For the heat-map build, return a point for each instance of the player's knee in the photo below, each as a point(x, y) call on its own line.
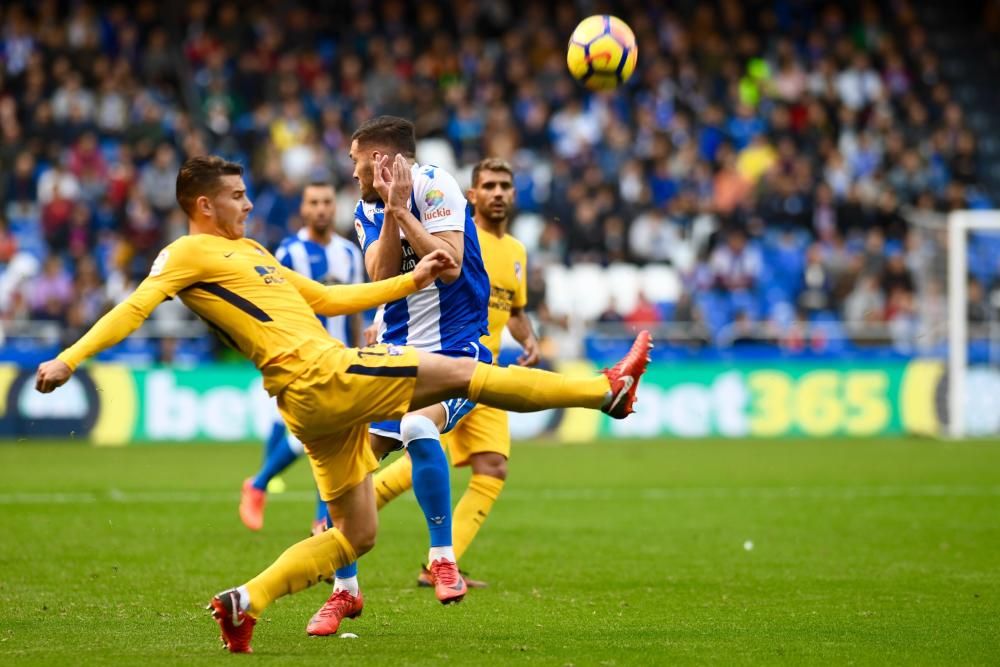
point(418, 427)
point(490, 464)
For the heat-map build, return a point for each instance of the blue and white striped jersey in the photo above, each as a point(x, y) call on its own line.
point(441, 316)
point(339, 263)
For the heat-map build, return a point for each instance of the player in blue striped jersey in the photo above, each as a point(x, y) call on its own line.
point(316, 252)
point(447, 317)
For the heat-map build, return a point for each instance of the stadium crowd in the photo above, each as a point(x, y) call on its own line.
point(766, 150)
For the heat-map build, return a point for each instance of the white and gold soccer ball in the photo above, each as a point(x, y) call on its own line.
point(602, 52)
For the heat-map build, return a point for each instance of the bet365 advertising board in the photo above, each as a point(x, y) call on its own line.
point(116, 405)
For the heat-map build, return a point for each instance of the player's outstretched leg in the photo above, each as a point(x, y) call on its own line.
point(282, 450)
point(527, 390)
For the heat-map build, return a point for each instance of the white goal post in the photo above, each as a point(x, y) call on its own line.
point(960, 223)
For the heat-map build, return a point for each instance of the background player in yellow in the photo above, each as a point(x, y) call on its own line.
point(482, 439)
point(328, 394)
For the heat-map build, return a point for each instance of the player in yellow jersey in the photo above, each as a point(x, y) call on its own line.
point(482, 440)
point(327, 393)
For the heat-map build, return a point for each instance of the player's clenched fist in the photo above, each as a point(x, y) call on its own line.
point(431, 266)
point(51, 375)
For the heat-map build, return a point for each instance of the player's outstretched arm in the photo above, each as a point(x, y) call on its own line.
point(336, 300)
point(111, 329)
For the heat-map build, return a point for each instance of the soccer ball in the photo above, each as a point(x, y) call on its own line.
point(602, 52)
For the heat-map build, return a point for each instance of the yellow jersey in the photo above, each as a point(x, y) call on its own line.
point(506, 263)
point(255, 305)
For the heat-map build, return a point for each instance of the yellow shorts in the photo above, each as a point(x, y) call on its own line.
point(330, 405)
point(485, 429)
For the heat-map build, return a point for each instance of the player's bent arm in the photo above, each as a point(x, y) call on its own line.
point(333, 300)
point(520, 327)
point(423, 242)
point(384, 256)
point(111, 329)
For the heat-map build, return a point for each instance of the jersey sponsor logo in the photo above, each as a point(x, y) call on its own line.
point(269, 274)
point(359, 228)
point(437, 213)
point(501, 299)
point(159, 263)
point(409, 259)
point(435, 209)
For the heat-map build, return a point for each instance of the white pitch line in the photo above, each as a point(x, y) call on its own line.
point(117, 496)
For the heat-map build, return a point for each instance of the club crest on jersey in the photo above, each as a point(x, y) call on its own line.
point(517, 270)
point(359, 228)
point(159, 263)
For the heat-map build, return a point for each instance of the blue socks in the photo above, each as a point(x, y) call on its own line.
point(431, 484)
point(279, 455)
point(432, 487)
point(322, 511)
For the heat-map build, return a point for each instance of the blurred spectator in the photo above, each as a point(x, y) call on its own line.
point(652, 237)
point(735, 265)
point(645, 313)
point(52, 291)
point(866, 302)
point(159, 179)
point(977, 310)
point(815, 295)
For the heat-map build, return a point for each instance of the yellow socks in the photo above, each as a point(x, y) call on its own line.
point(393, 480)
point(528, 389)
point(472, 510)
point(303, 564)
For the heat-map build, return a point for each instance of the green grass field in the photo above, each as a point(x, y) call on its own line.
point(867, 552)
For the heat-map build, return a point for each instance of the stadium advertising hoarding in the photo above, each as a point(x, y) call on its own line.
point(111, 404)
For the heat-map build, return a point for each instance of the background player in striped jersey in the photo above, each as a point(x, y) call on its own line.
point(316, 252)
point(448, 317)
point(482, 439)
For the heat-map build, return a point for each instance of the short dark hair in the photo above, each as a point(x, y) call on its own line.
point(491, 164)
point(319, 184)
point(200, 176)
point(389, 131)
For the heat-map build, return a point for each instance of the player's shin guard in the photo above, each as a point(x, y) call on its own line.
point(393, 480)
point(473, 508)
point(431, 482)
point(527, 389)
point(301, 565)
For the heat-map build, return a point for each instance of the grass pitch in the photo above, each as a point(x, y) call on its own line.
point(607, 554)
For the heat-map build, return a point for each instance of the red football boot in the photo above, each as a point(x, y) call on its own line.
point(624, 377)
point(341, 605)
point(236, 624)
point(426, 580)
point(449, 585)
point(252, 505)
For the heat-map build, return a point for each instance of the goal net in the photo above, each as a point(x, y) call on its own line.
point(972, 377)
